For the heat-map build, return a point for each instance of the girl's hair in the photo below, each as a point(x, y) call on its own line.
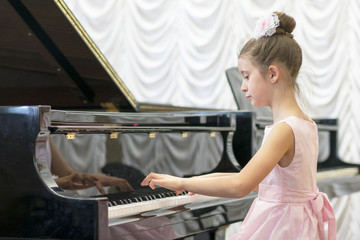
point(280, 48)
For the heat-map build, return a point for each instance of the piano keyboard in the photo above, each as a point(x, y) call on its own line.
point(145, 200)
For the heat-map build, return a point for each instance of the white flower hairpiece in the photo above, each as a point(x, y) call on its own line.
point(266, 26)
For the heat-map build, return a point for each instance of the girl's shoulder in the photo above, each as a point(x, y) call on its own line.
point(295, 119)
point(295, 122)
point(298, 120)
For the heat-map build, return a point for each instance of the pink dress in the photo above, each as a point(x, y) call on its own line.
point(289, 205)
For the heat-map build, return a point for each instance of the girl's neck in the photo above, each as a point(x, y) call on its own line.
point(285, 106)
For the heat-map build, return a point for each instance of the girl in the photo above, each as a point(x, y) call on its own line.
point(289, 205)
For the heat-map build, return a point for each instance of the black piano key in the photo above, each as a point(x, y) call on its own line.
point(139, 195)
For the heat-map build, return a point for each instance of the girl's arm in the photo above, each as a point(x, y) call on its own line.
point(234, 185)
point(210, 175)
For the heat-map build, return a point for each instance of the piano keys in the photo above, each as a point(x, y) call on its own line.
point(145, 200)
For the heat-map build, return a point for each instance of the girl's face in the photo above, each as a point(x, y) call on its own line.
point(255, 85)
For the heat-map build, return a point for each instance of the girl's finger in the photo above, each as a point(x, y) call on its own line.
point(152, 183)
point(145, 182)
point(100, 187)
point(148, 178)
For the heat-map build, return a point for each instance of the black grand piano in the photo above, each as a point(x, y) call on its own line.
point(33, 206)
point(55, 83)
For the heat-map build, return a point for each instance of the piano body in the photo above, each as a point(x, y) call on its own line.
point(33, 206)
point(47, 59)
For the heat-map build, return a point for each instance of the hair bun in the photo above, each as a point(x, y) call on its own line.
point(282, 31)
point(287, 23)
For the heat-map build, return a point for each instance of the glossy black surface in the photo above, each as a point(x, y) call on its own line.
point(44, 60)
point(28, 208)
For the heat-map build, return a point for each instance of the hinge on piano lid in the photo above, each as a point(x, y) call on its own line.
point(184, 134)
point(152, 134)
point(114, 135)
point(70, 135)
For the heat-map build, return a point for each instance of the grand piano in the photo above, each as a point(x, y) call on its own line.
point(33, 206)
point(55, 83)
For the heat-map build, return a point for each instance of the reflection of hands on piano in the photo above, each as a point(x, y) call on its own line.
point(163, 180)
point(76, 181)
point(105, 180)
point(70, 180)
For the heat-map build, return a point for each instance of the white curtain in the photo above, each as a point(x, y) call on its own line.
point(176, 52)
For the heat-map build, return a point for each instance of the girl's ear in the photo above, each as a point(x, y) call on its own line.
point(274, 73)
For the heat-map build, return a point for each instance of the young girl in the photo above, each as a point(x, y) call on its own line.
point(289, 205)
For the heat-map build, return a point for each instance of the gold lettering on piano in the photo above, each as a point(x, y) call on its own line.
point(184, 134)
point(212, 134)
point(152, 134)
point(70, 135)
point(114, 135)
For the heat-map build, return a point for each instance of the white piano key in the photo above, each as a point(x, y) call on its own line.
point(141, 207)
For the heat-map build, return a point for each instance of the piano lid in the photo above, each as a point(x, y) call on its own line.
point(47, 58)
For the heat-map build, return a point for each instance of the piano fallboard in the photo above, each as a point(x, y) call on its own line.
point(183, 220)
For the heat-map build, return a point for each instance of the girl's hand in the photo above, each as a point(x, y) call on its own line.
point(164, 180)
